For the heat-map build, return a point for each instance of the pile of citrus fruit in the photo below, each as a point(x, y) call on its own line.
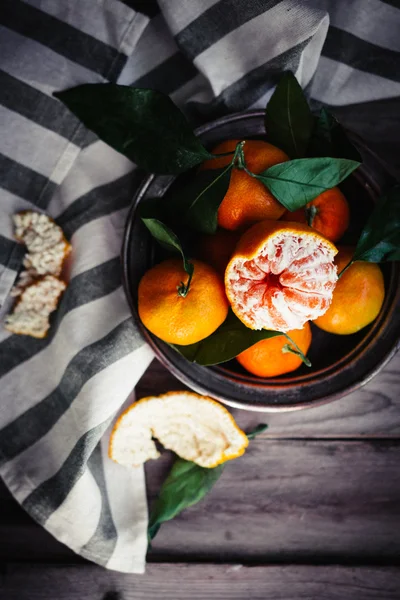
point(276, 270)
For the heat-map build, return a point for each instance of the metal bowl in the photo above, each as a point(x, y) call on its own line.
point(340, 363)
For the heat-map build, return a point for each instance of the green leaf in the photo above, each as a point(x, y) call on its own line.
point(260, 428)
point(169, 241)
point(330, 139)
point(229, 340)
point(395, 255)
point(198, 202)
point(288, 118)
point(297, 182)
point(186, 484)
point(143, 124)
point(380, 238)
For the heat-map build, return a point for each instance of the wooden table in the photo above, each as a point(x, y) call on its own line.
point(312, 510)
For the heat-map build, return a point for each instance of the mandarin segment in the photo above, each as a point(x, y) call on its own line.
point(280, 276)
point(330, 214)
point(358, 296)
point(267, 358)
point(176, 319)
point(247, 200)
point(195, 427)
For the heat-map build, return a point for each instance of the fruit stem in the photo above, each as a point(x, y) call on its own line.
point(183, 289)
point(250, 173)
point(311, 213)
point(224, 154)
point(296, 350)
point(345, 269)
point(239, 156)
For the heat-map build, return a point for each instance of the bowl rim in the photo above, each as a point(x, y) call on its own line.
point(273, 383)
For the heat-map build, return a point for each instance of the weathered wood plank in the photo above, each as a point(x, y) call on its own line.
point(372, 411)
point(195, 581)
point(293, 501)
point(284, 500)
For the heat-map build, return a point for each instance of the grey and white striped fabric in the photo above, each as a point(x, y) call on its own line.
point(59, 396)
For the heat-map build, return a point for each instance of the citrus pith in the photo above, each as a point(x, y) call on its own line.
point(281, 275)
point(176, 319)
point(268, 358)
point(358, 296)
point(247, 200)
point(195, 427)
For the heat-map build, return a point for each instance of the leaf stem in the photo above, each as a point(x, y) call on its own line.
point(257, 430)
point(237, 151)
point(210, 185)
point(183, 289)
point(238, 157)
point(249, 172)
point(295, 350)
point(345, 269)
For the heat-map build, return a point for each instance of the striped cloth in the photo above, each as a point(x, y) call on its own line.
point(59, 396)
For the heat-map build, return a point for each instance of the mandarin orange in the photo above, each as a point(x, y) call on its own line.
point(357, 298)
point(328, 213)
point(176, 319)
point(247, 200)
point(269, 358)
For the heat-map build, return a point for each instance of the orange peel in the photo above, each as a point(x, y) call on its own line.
point(195, 427)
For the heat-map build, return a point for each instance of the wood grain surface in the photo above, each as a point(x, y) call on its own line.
point(283, 501)
point(200, 582)
point(294, 501)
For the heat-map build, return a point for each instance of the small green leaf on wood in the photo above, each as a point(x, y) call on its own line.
point(288, 118)
point(330, 139)
point(229, 340)
point(296, 182)
point(186, 484)
point(260, 428)
point(143, 124)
